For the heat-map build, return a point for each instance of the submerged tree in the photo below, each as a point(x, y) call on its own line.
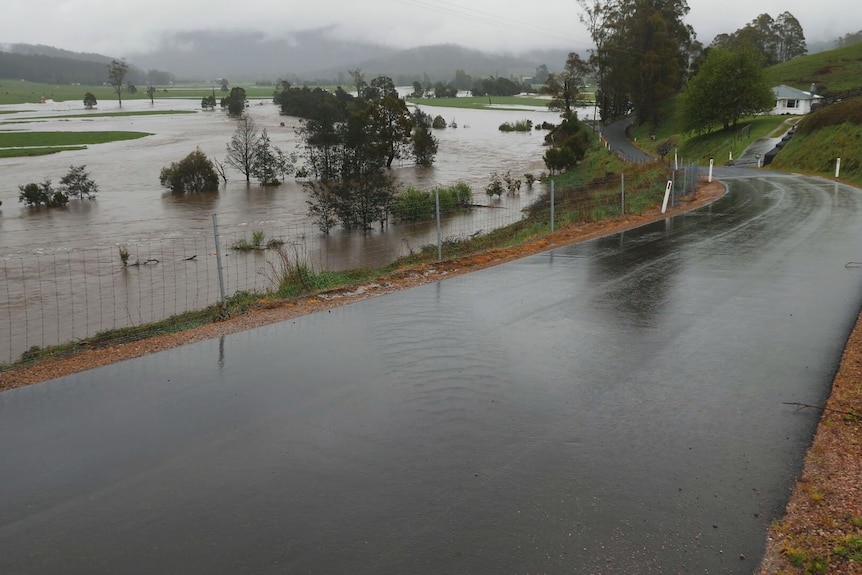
point(89, 100)
point(116, 74)
point(78, 184)
point(242, 146)
point(194, 173)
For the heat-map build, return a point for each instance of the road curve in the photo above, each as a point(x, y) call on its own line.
point(615, 406)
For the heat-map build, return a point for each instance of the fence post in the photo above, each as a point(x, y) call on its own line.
point(623, 194)
point(711, 162)
point(552, 206)
point(439, 235)
point(837, 168)
point(667, 190)
point(218, 258)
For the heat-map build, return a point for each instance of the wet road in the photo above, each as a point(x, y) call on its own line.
point(609, 407)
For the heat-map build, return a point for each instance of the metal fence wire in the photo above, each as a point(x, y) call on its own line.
point(63, 297)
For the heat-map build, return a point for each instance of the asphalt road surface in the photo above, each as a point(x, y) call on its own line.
point(610, 407)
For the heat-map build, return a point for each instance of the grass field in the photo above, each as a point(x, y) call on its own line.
point(23, 144)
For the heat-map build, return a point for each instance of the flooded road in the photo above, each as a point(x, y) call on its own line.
point(609, 407)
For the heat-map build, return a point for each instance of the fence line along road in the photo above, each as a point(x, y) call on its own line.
point(53, 298)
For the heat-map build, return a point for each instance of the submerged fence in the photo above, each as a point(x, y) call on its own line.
point(64, 297)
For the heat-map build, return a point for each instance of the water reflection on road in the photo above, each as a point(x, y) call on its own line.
point(608, 407)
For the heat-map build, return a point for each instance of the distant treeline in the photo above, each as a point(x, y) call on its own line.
point(54, 70)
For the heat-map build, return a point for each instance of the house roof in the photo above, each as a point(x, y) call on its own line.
point(787, 93)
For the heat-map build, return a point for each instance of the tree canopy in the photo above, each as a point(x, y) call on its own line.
point(193, 174)
point(642, 53)
point(116, 74)
point(773, 40)
point(729, 85)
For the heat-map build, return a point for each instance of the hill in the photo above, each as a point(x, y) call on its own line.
point(834, 131)
point(831, 71)
point(47, 65)
point(439, 62)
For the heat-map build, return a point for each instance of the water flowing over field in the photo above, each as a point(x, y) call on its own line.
point(55, 261)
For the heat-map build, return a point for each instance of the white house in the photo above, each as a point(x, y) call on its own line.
point(792, 101)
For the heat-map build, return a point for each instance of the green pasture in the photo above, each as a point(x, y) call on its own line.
point(22, 144)
point(834, 70)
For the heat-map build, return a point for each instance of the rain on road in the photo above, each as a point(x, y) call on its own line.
point(609, 407)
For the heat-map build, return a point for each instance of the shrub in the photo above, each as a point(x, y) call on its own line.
point(42, 194)
point(89, 100)
point(414, 205)
point(195, 173)
point(519, 126)
point(439, 123)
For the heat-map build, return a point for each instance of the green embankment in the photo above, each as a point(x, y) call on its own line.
point(699, 148)
point(832, 132)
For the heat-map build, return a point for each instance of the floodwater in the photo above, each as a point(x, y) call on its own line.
point(61, 268)
point(612, 407)
point(132, 207)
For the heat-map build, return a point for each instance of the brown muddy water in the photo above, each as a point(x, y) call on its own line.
point(62, 273)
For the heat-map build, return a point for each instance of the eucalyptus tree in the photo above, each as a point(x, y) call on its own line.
point(791, 38)
point(117, 71)
point(641, 53)
point(564, 87)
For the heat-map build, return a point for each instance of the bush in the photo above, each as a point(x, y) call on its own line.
point(89, 100)
point(519, 126)
point(42, 194)
point(414, 205)
point(439, 123)
point(195, 173)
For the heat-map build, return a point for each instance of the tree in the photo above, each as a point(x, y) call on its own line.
point(541, 75)
point(791, 38)
point(89, 100)
point(224, 84)
point(116, 74)
point(641, 54)
point(208, 103)
point(423, 141)
point(564, 87)
point(77, 183)
point(194, 173)
point(269, 162)
point(151, 93)
point(131, 88)
point(774, 40)
point(42, 194)
point(730, 85)
point(358, 79)
point(236, 101)
point(242, 146)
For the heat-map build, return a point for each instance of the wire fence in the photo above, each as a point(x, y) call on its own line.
point(67, 297)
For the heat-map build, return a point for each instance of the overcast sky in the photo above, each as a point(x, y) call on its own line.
point(120, 27)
